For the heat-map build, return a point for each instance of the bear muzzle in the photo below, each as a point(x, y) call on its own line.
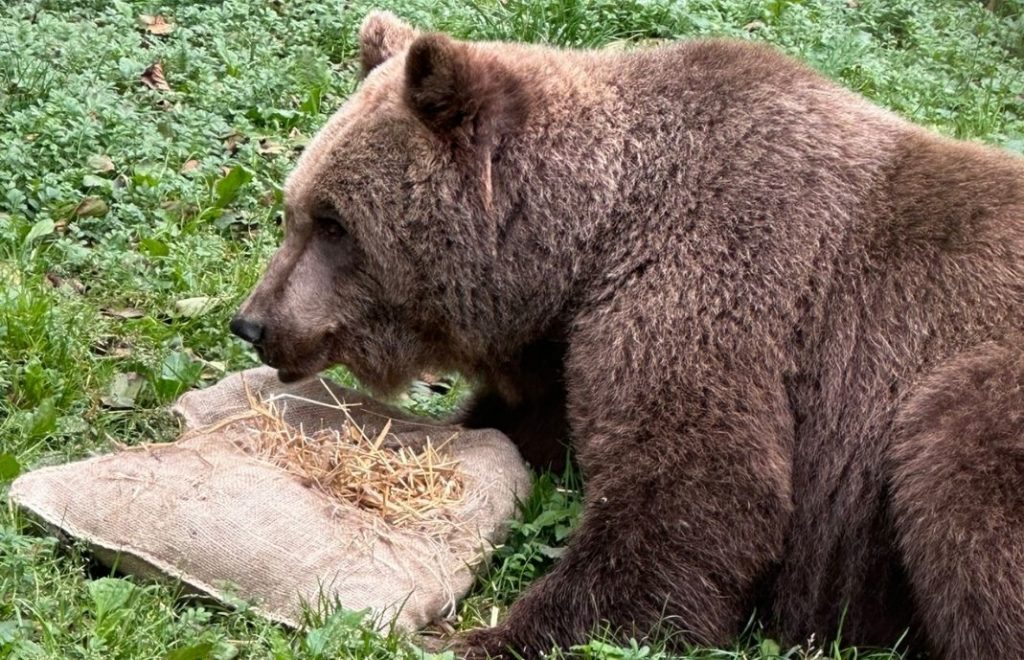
point(248, 329)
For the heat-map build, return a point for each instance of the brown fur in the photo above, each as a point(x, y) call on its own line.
point(776, 322)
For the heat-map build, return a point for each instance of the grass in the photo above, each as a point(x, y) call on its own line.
point(133, 220)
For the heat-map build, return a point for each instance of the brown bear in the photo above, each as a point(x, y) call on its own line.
point(780, 326)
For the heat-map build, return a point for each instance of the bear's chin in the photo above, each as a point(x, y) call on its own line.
point(293, 375)
point(384, 385)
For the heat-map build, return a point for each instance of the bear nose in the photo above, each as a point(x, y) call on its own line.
point(249, 330)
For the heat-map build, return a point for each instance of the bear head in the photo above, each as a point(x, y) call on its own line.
point(390, 260)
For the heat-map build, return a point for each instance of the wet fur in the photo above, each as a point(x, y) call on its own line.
point(776, 322)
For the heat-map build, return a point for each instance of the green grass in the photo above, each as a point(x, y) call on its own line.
point(118, 202)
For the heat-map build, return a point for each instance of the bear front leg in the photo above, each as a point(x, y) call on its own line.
point(686, 508)
point(663, 547)
point(957, 470)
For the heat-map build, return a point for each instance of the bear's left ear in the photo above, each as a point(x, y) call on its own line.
point(381, 36)
point(462, 94)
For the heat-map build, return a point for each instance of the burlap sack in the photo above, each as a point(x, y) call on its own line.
point(203, 511)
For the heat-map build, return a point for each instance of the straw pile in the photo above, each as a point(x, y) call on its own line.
point(402, 485)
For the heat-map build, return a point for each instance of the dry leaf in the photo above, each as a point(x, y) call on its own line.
point(153, 77)
point(91, 207)
point(54, 279)
point(68, 284)
point(268, 147)
point(111, 347)
point(120, 352)
point(100, 164)
point(123, 312)
point(190, 166)
point(197, 306)
point(754, 25)
point(211, 368)
point(122, 391)
point(297, 140)
point(214, 365)
point(231, 142)
point(157, 25)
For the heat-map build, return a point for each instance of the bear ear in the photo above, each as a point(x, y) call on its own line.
point(381, 36)
point(459, 93)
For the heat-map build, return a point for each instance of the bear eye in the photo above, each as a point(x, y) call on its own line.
point(329, 226)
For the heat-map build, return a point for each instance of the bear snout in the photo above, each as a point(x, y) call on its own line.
point(249, 329)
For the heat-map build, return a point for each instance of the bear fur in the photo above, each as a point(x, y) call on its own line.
point(780, 326)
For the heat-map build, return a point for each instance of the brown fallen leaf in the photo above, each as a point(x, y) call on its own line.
point(153, 77)
point(91, 207)
point(297, 140)
point(270, 148)
point(122, 312)
point(231, 142)
point(100, 164)
point(190, 165)
point(111, 346)
point(157, 25)
point(66, 283)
